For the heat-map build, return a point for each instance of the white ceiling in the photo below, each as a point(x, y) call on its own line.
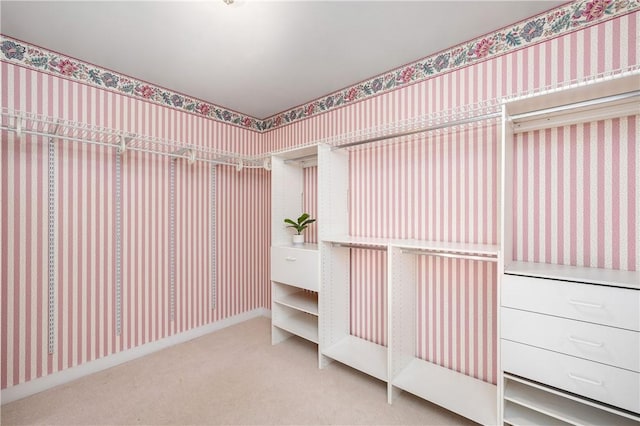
point(256, 57)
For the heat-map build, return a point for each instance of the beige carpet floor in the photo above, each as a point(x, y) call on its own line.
point(233, 376)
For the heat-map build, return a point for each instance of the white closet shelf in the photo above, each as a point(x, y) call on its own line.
point(302, 301)
point(448, 247)
point(552, 404)
point(517, 415)
point(26, 123)
point(455, 391)
point(365, 356)
point(610, 277)
point(365, 242)
point(539, 103)
point(300, 324)
point(412, 244)
point(305, 246)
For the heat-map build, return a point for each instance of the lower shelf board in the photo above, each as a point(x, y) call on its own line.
point(457, 392)
point(300, 324)
point(516, 415)
point(365, 356)
point(565, 408)
point(302, 301)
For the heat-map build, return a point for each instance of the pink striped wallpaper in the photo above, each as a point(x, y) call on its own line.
point(368, 295)
point(457, 301)
point(582, 206)
point(85, 275)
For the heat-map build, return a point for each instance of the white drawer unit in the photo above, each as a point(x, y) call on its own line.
point(297, 266)
point(616, 307)
point(608, 345)
point(611, 385)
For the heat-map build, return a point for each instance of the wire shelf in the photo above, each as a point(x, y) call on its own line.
point(454, 119)
point(66, 130)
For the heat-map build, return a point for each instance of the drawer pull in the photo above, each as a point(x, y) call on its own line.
point(585, 380)
point(585, 342)
point(290, 259)
point(585, 304)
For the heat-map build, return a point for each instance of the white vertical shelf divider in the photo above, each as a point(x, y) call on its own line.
point(506, 220)
point(333, 208)
point(402, 331)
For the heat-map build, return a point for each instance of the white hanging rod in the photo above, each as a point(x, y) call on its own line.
point(483, 258)
point(301, 159)
point(359, 246)
point(584, 104)
point(421, 130)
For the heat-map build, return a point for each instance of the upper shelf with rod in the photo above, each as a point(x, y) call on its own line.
point(487, 113)
point(25, 123)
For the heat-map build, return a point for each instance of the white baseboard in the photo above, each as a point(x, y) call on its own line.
point(31, 387)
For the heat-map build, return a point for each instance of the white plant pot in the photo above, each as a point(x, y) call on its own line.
point(298, 239)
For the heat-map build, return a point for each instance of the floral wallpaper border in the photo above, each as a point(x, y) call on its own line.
point(548, 25)
point(54, 63)
point(572, 16)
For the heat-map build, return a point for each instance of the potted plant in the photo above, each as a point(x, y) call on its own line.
point(299, 225)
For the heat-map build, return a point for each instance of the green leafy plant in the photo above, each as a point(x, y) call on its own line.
point(301, 224)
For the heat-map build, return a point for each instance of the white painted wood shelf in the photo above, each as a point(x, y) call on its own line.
point(455, 391)
point(559, 406)
point(610, 277)
point(365, 356)
point(517, 415)
point(301, 324)
point(365, 242)
point(304, 301)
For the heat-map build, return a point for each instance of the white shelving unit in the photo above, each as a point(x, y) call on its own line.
point(337, 341)
point(397, 363)
point(462, 394)
point(516, 399)
point(569, 375)
point(295, 272)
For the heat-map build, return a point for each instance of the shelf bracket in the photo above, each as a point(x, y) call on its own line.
point(18, 127)
point(124, 142)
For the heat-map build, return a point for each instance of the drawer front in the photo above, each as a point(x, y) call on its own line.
point(612, 346)
point(296, 267)
point(604, 383)
point(617, 307)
